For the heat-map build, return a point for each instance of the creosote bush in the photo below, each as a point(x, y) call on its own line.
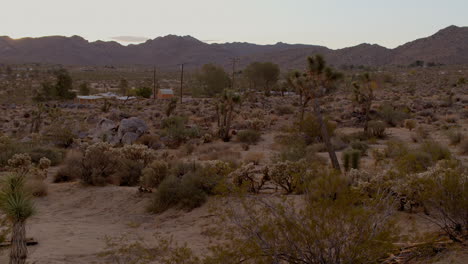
point(335, 224)
point(377, 129)
point(249, 136)
point(188, 186)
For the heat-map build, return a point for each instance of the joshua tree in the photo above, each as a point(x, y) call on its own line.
point(17, 205)
point(364, 95)
point(224, 111)
point(313, 84)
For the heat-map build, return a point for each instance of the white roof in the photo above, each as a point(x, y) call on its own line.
point(89, 97)
point(166, 91)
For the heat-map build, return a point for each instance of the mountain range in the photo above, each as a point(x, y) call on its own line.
point(447, 46)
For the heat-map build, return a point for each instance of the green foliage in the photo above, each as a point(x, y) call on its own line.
point(212, 79)
point(176, 130)
point(10, 147)
point(335, 224)
point(351, 159)
point(225, 112)
point(413, 162)
point(84, 89)
point(249, 136)
point(435, 150)
point(154, 174)
point(262, 74)
point(144, 92)
point(60, 90)
point(310, 127)
point(290, 176)
point(15, 201)
point(393, 116)
point(444, 193)
point(187, 188)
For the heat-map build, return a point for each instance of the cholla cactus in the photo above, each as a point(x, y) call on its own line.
point(248, 175)
point(44, 163)
point(289, 175)
point(136, 152)
point(20, 163)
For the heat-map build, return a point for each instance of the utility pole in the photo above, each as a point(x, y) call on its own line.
point(154, 83)
point(181, 80)
point(234, 60)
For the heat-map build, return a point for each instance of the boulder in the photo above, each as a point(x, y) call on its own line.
point(132, 126)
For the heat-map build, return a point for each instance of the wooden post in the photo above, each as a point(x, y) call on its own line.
point(181, 81)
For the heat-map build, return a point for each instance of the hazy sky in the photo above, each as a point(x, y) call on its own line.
point(332, 23)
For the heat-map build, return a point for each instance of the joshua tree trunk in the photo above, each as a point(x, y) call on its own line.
point(228, 125)
point(18, 251)
point(325, 136)
point(366, 120)
point(303, 106)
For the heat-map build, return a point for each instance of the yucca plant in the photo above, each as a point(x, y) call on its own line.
point(16, 204)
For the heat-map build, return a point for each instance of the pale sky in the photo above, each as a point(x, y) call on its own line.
point(331, 23)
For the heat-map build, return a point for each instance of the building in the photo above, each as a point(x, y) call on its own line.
point(165, 93)
point(83, 99)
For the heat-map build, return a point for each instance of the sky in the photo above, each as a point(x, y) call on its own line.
point(331, 23)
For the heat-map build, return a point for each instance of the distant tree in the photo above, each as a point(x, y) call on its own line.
point(144, 92)
point(84, 89)
point(364, 95)
point(263, 74)
point(123, 87)
point(60, 90)
point(213, 79)
point(64, 85)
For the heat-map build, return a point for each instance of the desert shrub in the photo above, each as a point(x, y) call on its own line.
point(377, 129)
point(356, 136)
point(249, 136)
point(293, 149)
point(249, 178)
point(361, 146)
point(154, 174)
point(71, 168)
point(395, 148)
point(128, 172)
point(345, 227)
point(284, 110)
point(98, 164)
point(60, 135)
point(177, 132)
point(435, 150)
point(413, 162)
point(351, 159)
point(144, 92)
point(189, 190)
point(391, 115)
point(151, 141)
point(36, 187)
point(419, 135)
point(454, 136)
point(464, 147)
point(53, 154)
point(444, 193)
point(311, 128)
point(9, 147)
point(410, 124)
point(290, 176)
point(254, 157)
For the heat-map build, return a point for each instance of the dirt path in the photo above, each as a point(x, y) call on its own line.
point(72, 222)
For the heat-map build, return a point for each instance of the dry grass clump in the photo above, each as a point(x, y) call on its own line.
point(464, 147)
point(71, 168)
point(455, 136)
point(254, 157)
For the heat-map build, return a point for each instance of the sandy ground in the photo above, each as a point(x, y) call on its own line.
point(72, 222)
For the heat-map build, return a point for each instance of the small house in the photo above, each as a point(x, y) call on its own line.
point(165, 94)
